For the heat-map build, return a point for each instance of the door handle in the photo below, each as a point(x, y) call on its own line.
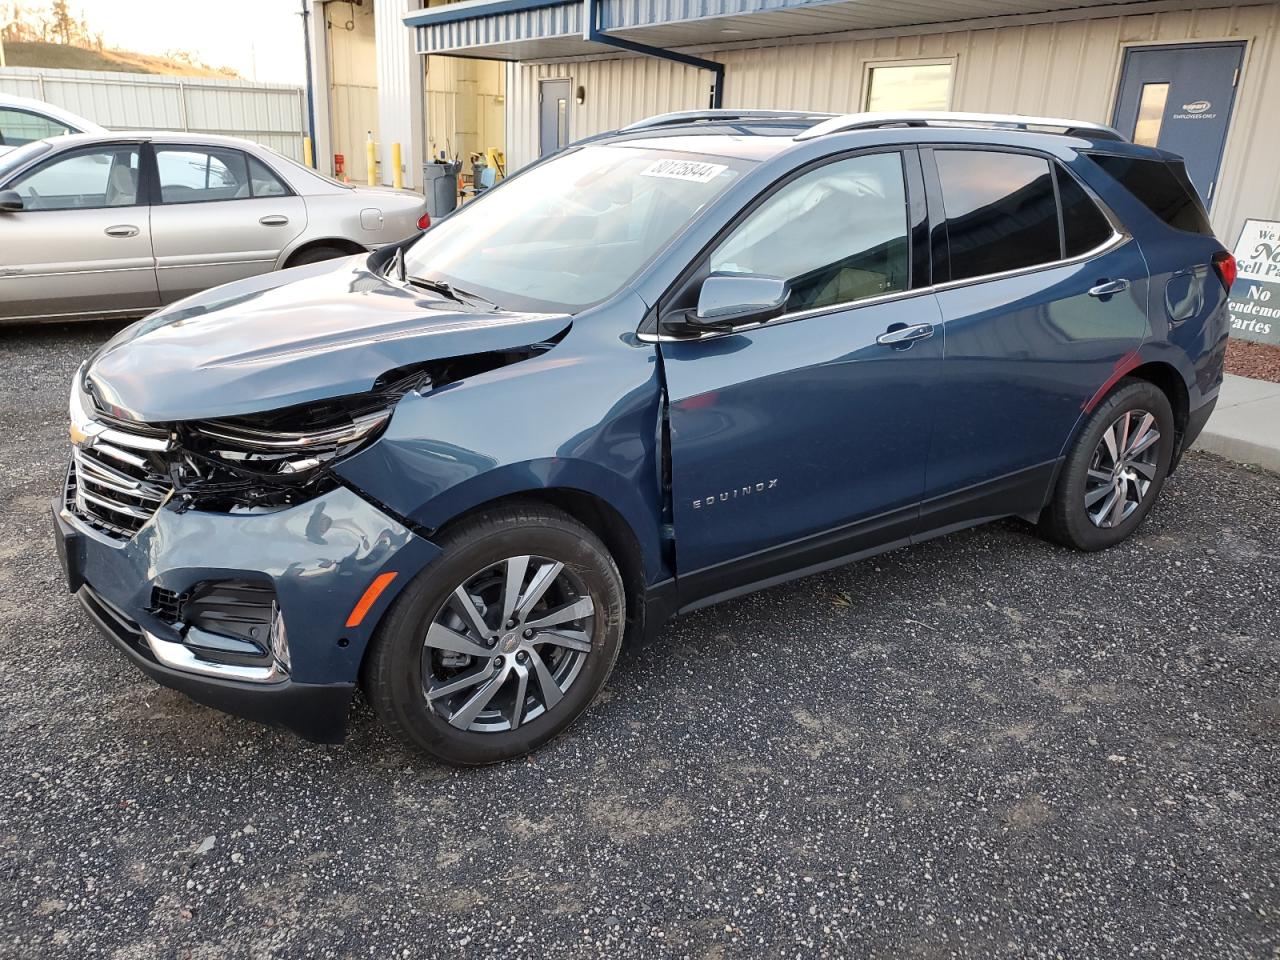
point(904, 336)
point(1107, 287)
point(273, 220)
point(121, 230)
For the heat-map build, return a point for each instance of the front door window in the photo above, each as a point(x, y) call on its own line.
point(91, 179)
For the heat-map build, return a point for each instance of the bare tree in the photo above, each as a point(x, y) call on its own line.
point(64, 24)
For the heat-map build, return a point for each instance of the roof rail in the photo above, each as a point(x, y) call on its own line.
point(694, 116)
point(923, 118)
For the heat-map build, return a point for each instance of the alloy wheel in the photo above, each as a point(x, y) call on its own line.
point(507, 644)
point(1122, 468)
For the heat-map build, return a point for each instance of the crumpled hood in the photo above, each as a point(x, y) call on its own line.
point(324, 330)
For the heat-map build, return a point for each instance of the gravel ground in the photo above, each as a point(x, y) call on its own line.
point(1261, 361)
point(985, 746)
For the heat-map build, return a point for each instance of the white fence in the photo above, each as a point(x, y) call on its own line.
point(270, 113)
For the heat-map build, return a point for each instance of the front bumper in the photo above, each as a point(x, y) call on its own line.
point(319, 556)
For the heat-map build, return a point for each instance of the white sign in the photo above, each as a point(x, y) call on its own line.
point(694, 170)
point(1255, 296)
point(1258, 251)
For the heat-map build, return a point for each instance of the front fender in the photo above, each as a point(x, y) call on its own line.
point(583, 416)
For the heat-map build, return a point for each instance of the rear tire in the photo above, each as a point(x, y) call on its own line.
point(317, 254)
point(1115, 469)
point(524, 606)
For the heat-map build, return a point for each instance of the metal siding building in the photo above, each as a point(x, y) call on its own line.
point(1007, 56)
point(268, 113)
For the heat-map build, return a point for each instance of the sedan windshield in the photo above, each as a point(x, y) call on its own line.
point(572, 231)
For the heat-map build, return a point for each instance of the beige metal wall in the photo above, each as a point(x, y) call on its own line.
point(1065, 68)
point(400, 92)
point(465, 106)
point(353, 85)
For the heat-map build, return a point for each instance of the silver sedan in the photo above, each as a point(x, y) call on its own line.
point(118, 224)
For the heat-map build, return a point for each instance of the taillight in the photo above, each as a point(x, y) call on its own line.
point(1225, 264)
point(424, 221)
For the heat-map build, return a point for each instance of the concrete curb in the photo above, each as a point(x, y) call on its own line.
point(1245, 426)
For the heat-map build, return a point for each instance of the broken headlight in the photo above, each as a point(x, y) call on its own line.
point(278, 458)
point(257, 447)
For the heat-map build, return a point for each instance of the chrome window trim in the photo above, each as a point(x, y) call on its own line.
point(1118, 237)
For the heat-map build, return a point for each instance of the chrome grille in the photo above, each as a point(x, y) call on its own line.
point(117, 480)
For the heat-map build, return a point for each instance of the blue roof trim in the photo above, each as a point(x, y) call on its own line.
point(471, 9)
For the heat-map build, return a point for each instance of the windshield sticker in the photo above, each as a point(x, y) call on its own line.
point(684, 170)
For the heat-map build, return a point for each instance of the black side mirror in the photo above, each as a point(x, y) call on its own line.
point(735, 300)
point(10, 200)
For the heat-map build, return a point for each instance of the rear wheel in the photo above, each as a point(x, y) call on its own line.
point(1115, 470)
point(317, 254)
point(503, 641)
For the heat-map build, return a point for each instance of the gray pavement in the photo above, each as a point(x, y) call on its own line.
point(1245, 426)
point(986, 746)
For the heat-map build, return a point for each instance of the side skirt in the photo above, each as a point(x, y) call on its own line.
point(1022, 493)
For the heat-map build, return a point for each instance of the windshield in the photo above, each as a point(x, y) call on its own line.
point(572, 231)
point(18, 157)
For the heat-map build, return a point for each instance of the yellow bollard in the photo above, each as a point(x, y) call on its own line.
point(397, 175)
point(371, 158)
point(306, 152)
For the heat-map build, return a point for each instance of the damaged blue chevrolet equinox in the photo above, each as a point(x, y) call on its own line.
point(666, 366)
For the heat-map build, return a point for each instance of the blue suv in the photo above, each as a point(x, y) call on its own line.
point(669, 365)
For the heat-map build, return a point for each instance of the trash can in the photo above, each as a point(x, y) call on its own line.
point(440, 187)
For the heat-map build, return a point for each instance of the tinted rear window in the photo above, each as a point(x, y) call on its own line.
point(1001, 211)
point(1163, 189)
point(1084, 226)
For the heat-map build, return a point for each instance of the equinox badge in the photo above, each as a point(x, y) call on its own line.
point(735, 493)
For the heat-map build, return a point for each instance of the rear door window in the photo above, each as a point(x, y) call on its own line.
point(1084, 226)
point(1001, 213)
point(199, 174)
point(264, 182)
point(21, 126)
point(1163, 188)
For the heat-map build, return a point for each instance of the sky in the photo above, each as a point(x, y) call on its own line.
point(261, 39)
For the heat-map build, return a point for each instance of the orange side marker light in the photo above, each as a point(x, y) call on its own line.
point(380, 583)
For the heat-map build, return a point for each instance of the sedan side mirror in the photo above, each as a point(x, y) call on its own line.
point(10, 200)
point(734, 300)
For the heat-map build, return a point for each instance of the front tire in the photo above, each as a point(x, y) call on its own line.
point(501, 642)
point(1115, 470)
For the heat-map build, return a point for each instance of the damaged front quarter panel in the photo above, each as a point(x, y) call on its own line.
point(283, 457)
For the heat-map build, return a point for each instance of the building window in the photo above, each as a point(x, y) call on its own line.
point(1151, 114)
point(909, 86)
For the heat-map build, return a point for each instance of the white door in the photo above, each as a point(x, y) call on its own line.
point(81, 244)
point(221, 215)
